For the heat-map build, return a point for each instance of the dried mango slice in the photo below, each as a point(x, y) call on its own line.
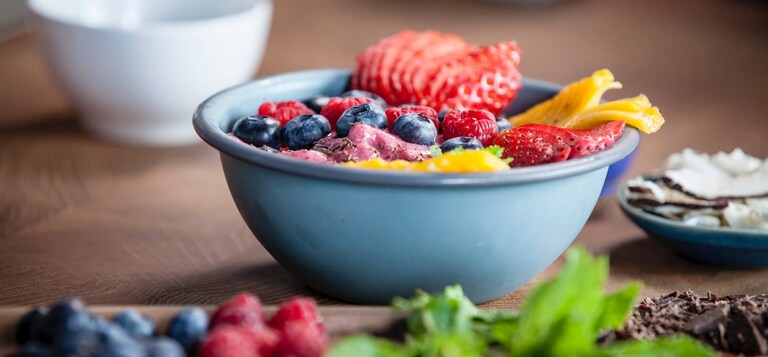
point(460, 162)
point(637, 112)
point(577, 106)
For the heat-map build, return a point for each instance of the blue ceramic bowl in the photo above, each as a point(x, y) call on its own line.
point(366, 236)
point(718, 246)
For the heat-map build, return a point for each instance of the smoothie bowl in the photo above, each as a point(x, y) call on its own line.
point(365, 231)
point(365, 236)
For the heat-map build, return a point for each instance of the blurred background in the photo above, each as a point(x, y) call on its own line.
point(704, 63)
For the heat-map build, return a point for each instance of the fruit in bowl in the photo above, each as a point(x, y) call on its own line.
point(365, 235)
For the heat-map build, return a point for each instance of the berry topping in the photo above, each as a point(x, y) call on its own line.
point(303, 131)
point(364, 94)
point(415, 128)
point(135, 324)
point(284, 111)
point(464, 142)
point(503, 124)
point(337, 106)
point(479, 124)
point(241, 310)
point(188, 327)
point(370, 113)
point(258, 131)
point(317, 103)
point(535, 144)
point(395, 112)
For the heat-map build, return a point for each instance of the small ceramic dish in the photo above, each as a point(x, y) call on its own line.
point(710, 245)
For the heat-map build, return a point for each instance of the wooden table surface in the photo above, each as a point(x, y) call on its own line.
point(128, 225)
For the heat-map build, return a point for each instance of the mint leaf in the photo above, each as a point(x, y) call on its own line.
point(451, 312)
point(457, 150)
point(435, 151)
point(495, 150)
point(678, 346)
point(617, 306)
point(562, 316)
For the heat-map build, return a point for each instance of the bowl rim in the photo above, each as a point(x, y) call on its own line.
point(727, 236)
point(208, 129)
point(39, 10)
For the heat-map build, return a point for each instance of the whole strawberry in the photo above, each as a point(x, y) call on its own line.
point(536, 144)
point(478, 124)
point(284, 111)
point(337, 105)
point(242, 310)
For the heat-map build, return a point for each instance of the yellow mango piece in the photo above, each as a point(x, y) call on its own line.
point(577, 106)
point(637, 112)
point(461, 162)
point(576, 97)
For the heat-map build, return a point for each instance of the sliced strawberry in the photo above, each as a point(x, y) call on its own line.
point(536, 144)
point(381, 79)
point(413, 52)
point(489, 81)
point(442, 47)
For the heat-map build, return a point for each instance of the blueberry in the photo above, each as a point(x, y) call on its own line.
point(464, 142)
point(66, 315)
point(164, 347)
point(415, 128)
point(364, 94)
point(503, 124)
point(32, 349)
point(115, 342)
point(77, 342)
point(317, 103)
point(29, 323)
point(304, 130)
point(440, 118)
point(368, 113)
point(258, 130)
point(135, 324)
point(188, 327)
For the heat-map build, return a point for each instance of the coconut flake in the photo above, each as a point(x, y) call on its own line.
point(737, 162)
point(701, 220)
point(742, 216)
point(700, 185)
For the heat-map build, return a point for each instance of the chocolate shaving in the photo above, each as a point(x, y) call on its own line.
point(736, 323)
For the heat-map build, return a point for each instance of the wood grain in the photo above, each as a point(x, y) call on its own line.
point(128, 225)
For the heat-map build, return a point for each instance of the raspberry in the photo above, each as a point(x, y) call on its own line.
point(395, 112)
point(535, 144)
point(478, 124)
point(242, 310)
point(301, 329)
point(302, 338)
point(284, 111)
point(234, 341)
point(296, 309)
point(337, 105)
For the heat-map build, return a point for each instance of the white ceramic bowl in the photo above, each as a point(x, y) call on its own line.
point(136, 69)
